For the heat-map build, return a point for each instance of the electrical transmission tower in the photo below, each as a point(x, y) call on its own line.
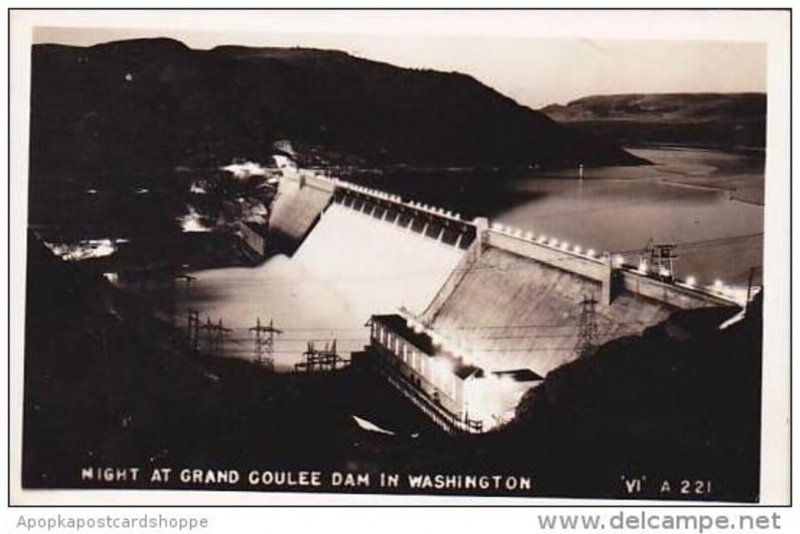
point(215, 335)
point(587, 329)
point(326, 359)
point(658, 259)
point(265, 343)
point(662, 257)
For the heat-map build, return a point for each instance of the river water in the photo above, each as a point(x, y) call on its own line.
point(707, 202)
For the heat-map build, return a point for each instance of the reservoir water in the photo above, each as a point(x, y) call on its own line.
point(709, 203)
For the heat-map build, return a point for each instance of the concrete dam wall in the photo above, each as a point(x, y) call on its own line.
point(515, 303)
point(469, 316)
point(381, 253)
point(510, 312)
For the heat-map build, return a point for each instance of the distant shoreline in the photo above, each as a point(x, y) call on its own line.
point(706, 187)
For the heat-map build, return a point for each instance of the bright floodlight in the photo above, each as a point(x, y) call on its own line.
point(691, 281)
point(591, 253)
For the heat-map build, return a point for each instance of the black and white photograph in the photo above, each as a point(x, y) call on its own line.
point(378, 263)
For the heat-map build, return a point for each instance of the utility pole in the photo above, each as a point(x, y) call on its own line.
point(220, 338)
point(209, 329)
point(220, 335)
point(173, 293)
point(265, 343)
point(193, 330)
point(644, 257)
point(587, 329)
point(749, 288)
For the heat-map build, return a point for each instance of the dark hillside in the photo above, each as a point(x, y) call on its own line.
point(682, 402)
point(142, 105)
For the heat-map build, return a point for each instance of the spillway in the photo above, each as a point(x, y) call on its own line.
point(374, 265)
point(352, 255)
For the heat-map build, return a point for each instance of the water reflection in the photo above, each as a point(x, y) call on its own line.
point(670, 202)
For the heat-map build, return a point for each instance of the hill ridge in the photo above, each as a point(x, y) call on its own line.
point(146, 104)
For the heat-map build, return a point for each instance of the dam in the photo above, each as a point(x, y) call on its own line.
point(465, 316)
